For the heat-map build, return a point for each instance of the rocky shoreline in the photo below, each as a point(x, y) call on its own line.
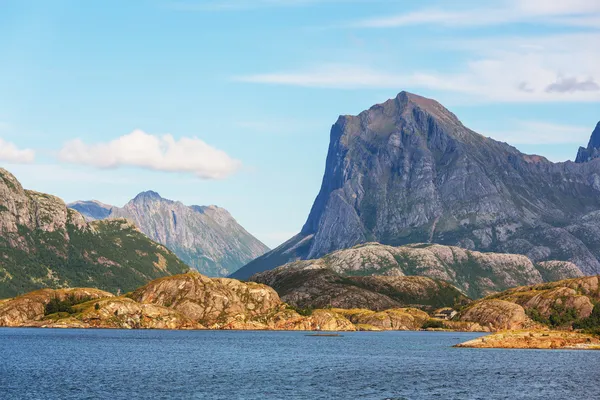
point(193, 301)
point(534, 339)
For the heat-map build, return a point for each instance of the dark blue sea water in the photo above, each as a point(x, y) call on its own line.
point(119, 364)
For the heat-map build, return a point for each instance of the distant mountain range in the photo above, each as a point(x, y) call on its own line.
point(44, 244)
point(408, 171)
point(207, 238)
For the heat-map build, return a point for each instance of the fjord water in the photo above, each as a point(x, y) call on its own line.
point(120, 364)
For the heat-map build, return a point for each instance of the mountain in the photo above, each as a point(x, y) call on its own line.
point(376, 267)
point(207, 238)
point(92, 210)
point(570, 303)
point(408, 171)
point(44, 244)
point(593, 149)
point(322, 287)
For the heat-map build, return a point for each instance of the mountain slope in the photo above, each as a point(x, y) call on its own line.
point(323, 287)
point(45, 244)
point(408, 171)
point(207, 238)
point(474, 273)
point(570, 303)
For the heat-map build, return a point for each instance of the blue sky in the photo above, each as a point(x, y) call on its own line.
point(230, 102)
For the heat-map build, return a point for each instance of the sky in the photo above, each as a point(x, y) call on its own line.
point(231, 102)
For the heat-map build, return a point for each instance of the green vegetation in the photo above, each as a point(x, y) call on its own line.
point(590, 324)
point(111, 256)
point(56, 305)
point(433, 324)
point(306, 312)
point(559, 316)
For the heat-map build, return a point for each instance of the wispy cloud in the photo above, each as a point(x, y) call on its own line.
point(536, 132)
point(240, 5)
point(340, 76)
point(551, 68)
point(9, 152)
point(155, 152)
point(572, 13)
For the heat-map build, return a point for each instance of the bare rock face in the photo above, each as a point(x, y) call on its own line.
point(408, 171)
point(207, 238)
point(593, 148)
point(212, 302)
point(474, 273)
point(30, 307)
point(124, 313)
point(399, 319)
point(535, 339)
point(498, 314)
point(555, 304)
point(45, 244)
point(578, 295)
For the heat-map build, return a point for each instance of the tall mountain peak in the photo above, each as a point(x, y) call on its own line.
point(147, 195)
point(408, 171)
point(207, 238)
point(593, 148)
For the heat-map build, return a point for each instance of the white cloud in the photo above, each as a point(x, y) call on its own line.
point(9, 152)
point(571, 13)
point(498, 69)
point(160, 153)
point(535, 132)
point(341, 76)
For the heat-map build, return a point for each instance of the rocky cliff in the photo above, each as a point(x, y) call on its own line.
point(357, 273)
point(45, 244)
point(592, 150)
point(563, 304)
point(207, 238)
point(408, 171)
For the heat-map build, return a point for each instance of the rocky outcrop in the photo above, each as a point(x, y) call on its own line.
point(474, 273)
point(30, 307)
point(207, 238)
point(498, 315)
point(45, 244)
point(535, 339)
point(408, 171)
point(398, 319)
point(193, 301)
point(555, 304)
point(189, 301)
point(213, 302)
point(314, 287)
point(593, 148)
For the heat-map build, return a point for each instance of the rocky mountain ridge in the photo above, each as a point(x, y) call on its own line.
point(193, 301)
point(408, 171)
point(45, 244)
point(564, 304)
point(207, 238)
point(474, 273)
